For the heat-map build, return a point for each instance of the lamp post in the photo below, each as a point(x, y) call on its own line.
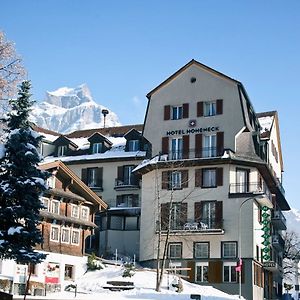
point(261, 200)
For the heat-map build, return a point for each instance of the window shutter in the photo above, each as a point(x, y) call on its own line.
point(191, 272)
point(183, 213)
point(198, 209)
point(184, 178)
point(198, 145)
point(219, 106)
point(198, 177)
point(220, 143)
point(120, 173)
point(165, 180)
point(215, 271)
point(165, 145)
point(99, 177)
point(186, 146)
point(200, 109)
point(219, 214)
point(219, 175)
point(164, 215)
point(167, 112)
point(119, 200)
point(185, 110)
point(84, 175)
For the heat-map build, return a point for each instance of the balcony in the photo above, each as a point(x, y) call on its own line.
point(278, 220)
point(128, 184)
point(277, 242)
point(206, 152)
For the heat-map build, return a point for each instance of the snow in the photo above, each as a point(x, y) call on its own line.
point(49, 137)
point(2, 150)
point(266, 123)
point(90, 286)
point(13, 230)
point(62, 91)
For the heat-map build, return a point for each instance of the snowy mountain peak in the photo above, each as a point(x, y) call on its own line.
point(68, 109)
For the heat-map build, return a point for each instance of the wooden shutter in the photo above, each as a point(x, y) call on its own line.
point(167, 112)
point(165, 145)
point(191, 272)
point(186, 146)
point(183, 213)
point(164, 215)
point(198, 209)
point(84, 175)
point(215, 271)
point(120, 173)
point(185, 110)
point(219, 214)
point(99, 177)
point(165, 180)
point(200, 109)
point(220, 143)
point(184, 178)
point(219, 175)
point(198, 177)
point(198, 145)
point(219, 106)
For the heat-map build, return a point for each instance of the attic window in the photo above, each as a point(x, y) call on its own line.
point(62, 150)
point(133, 145)
point(97, 148)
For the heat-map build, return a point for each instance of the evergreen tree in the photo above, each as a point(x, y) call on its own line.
point(21, 185)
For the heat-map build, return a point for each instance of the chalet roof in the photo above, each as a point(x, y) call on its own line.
point(86, 192)
point(107, 131)
point(43, 130)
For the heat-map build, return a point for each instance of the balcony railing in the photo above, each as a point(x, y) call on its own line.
point(278, 219)
point(127, 183)
point(206, 152)
point(249, 188)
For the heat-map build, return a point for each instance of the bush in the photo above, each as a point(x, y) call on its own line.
point(129, 270)
point(93, 263)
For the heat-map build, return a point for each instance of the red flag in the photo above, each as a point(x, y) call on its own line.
point(238, 268)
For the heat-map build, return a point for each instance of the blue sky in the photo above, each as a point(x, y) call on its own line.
point(123, 49)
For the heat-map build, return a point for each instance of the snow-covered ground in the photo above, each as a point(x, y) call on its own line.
point(90, 286)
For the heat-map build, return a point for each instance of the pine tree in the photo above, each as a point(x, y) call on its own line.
point(21, 185)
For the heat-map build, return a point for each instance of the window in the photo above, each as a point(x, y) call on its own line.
point(176, 148)
point(75, 211)
point(75, 237)
point(242, 180)
point(201, 250)
point(51, 182)
point(97, 148)
point(45, 202)
point(128, 176)
point(68, 272)
point(210, 108)
point(176, 216)
point(177, 112)
point(131, 223)
point(61, 150)
point(202, 272)
point(55, 206)
point(176, 180)
point(85, 211)
point(229, 272)
point(209, 178)
point(128, 200)
point(133, 145)
point(92, 177)
point(116, 223)
point(54, 234)
point(175, 250)
point(210, 145)
point(65, 235)
point(209, 214)
point(229, 249)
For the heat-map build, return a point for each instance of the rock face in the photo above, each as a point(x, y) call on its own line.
point(69, 109)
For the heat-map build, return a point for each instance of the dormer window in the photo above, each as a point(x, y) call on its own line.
point(61, 150)
point(133, 145)
point(97, 148)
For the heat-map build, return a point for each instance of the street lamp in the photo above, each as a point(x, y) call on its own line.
point(262, 200)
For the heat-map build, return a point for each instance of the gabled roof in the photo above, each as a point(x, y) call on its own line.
point(101, 136)
point(64, 139)
point(189, 64)
point(107, 131)
point(132, 133)
point(85, 191)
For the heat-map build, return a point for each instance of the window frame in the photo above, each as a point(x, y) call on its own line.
point(231, 268)
point(223, 249)
point(201, 265)
point(195, 250)
point(210, 108)
point(209, 145)
point(176, 180)
point(177, 112)
point(75, 208)
point(83, 208)
point(97, 147)
point(176, 148)
point(62, 150)
point(75, 230)
point(133, 145)
point(175, 244)
point(212, 178)
point(68, 236)
point(52, 205)
point(92, 177)
point(45, 208)
point(51, 233)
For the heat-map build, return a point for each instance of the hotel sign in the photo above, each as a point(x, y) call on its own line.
point(192, 130)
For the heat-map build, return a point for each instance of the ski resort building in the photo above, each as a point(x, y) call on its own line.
point(200, 183)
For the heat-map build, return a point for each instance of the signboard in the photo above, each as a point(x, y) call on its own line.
point(52, 273)
point(192, 130)
point(20, 274)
